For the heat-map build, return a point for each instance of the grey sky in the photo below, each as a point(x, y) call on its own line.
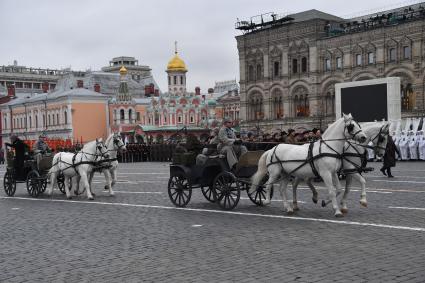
point(87, 34)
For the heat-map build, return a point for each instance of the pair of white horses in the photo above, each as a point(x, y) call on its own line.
point(324, 158)
point(79, 166)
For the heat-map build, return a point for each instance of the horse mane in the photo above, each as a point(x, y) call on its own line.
point(329, 129)
point(90, 144)
point(108, 140)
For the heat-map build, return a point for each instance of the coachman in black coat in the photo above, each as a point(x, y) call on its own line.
point(389, 157)
point(20, 148)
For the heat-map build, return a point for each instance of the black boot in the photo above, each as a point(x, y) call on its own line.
point(383, 171)
point(389, 173)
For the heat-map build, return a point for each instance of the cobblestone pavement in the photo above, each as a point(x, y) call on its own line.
point(138, 235)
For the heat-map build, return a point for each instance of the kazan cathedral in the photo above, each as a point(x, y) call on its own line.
point(176, 111)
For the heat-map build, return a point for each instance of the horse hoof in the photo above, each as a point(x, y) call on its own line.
point(339, 214)
point(323, 203)
point(296, 208)
point(344, 210)
point(91, 198)
point(363, 203)
point(314, 200)
point(105, 188)
point(290, 212)
point(70, 197)
point(111, 194)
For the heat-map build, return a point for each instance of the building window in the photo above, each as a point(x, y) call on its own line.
point(179, 119)
point(392, 54)
point(138, 116)
point(259, 75)
point(276, 69)
point(169, 80)
point(48, 123)
point(338, 62)
point(358, 59)
point(122, 116)
point(130, 115)
point(406, 52)
point(30, 121)
point(304, 64)
point(181, 80)
point(165, 118)
point(370, 58)
point(192, 119)
point(44, 120)
point(65, 115)
point(53, 118)
point(250, 73)
point(175, 80)
point(327, 64)
point(57, 118)
point(294, 66)
point(36, 121)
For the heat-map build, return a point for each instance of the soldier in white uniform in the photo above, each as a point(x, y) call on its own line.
point(228, 144)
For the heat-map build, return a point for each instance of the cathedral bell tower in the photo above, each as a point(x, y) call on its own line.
point(176, 70)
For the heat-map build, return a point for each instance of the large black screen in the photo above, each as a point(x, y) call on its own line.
point(366, 103)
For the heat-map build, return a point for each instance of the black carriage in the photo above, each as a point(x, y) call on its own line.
point(217, 182)
point(34, 177)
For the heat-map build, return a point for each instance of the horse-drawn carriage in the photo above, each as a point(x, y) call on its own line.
point(35, 177)
point(217, 182)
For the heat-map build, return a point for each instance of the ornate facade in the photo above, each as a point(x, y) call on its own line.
point(288, 71)
point(177, 108)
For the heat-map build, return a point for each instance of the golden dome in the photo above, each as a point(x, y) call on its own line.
point(123, 71)
point(176, 64)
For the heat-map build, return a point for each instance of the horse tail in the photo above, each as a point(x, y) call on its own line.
point(261, 171)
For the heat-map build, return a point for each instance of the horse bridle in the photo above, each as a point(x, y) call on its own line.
point(117, 143)
point(350, 129)
point(381, 137)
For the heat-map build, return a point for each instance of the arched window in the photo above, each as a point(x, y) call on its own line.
point(294, 66)
point(36, 121)
point(122, 115)
point(250, 73)
point(255, 107)
point(53, 119)
point(30, 122)
point(169, 80)
point(181, 80)
point(175, 80)
point(277, 104)
point(301, 102)
point(408, 99)
point(44, 120)
point(57, 118)
point(259, 74)
point(304, 64)
point(48, 123)
point(65, 115)
point(130, 116)
point(330, 103)
point(276, 69)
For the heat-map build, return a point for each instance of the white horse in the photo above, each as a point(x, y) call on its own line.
point(80, 163)
point(113, 143)
point(353, 162)
point(323, 156)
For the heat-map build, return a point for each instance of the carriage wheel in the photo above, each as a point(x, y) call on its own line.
point(33, 183)
point(227, 190)
point(43, 185)
point(61, 182)
point(179, 190)
point(259, 195)
point(9, 184)
point(209, 193)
